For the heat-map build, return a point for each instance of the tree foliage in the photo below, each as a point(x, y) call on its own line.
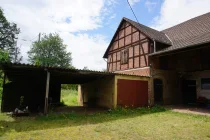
point(8, 35)
point(85, 68)
point(17, 58)
point(8, 41)
point(104, 70)
point(4, 56)
point(69, 86)
point(50, 51)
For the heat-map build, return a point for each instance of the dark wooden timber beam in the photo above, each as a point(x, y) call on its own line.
point(47, 93)
point(2, 98)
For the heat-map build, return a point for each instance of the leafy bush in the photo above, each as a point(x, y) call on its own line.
point(1, 78)
point(0, 95)
point(4, 56)
point(141, 110)
point(1, 82)
point(69, 86)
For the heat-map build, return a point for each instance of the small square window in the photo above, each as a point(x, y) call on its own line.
point(124, 56)
point(205, 83)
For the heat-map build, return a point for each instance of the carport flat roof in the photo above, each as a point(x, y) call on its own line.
point(64, 75)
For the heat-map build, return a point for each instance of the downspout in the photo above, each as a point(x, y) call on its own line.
point(105, 60)
point(154, 46)
point(106, 64)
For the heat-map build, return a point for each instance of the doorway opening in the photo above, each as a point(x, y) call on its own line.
point(69, 95)
point(158, 91)
point(68, 99)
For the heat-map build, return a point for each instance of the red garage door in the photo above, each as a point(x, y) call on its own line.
point(132, 93)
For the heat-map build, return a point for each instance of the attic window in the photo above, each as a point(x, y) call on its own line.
point(124, 56)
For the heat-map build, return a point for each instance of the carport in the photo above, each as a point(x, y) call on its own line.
point(40, 85)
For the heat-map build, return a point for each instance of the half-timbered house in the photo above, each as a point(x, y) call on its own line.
point(176, 59)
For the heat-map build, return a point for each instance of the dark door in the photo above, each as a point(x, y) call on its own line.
point(189, 91)
point(158, 91)
point(132, 93)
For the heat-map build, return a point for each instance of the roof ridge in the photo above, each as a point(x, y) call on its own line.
point(141, 24)
point(145, 30)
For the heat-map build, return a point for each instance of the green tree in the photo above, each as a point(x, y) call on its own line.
point(17, 58)
point(8, 35)
point(85, 68)
point(50, 51)
point(104, 70)
point(4, 56)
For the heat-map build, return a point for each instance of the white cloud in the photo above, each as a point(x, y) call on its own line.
point(132, 2)
point(176, 11)
point(89, 50)
point(66, 17)
point(150, 5)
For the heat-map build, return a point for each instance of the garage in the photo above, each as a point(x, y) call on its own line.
point(132, 93)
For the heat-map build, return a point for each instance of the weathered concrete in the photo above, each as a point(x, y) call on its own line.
point(171, 85)
point(101, 89)
point(105, 90)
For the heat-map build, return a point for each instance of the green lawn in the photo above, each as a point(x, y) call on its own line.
point(69, 97)
point(144, 123)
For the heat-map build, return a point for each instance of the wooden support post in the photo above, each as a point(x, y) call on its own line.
point(2, 98)
point(47, 93)
point(83, 95)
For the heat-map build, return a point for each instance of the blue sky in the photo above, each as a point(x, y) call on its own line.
point(144, 12)
point(87, 26)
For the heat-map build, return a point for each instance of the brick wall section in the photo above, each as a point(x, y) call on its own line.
point(130, 52)
point(140, 72)
point(135, 36)
point(128, 40)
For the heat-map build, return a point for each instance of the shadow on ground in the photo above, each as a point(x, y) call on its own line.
point(58, 120)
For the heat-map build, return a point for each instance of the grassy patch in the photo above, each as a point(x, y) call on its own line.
point(69, 97)
point(0, 98)
point(141, 123)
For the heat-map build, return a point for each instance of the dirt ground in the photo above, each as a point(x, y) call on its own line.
point(190, 109)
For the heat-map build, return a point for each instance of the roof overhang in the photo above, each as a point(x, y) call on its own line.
point(57, 74)
point(181, 49)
